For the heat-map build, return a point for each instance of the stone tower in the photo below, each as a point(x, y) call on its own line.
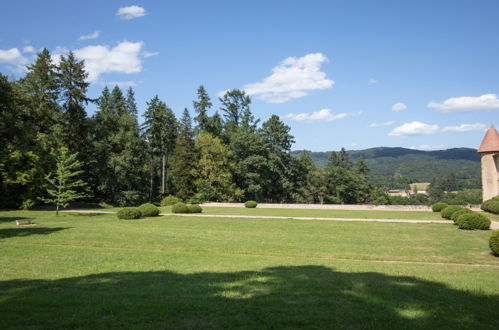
point(489, 152)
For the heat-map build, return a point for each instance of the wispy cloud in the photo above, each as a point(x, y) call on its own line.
point(149, 54)
point(29, 49)
point(130, 12)
point(465, 128)
point(90, 36)
point(427, 147)
point(293, 78)
point(419, 128)
point(373, 81)
point(323, 115)
point(399, 107)
point(467, 103)
point(386, 123)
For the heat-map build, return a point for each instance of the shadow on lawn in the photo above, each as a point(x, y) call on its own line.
point(11, 219)
point(278, 297)
point(28, 231)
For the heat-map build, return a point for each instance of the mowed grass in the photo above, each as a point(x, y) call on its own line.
point(95, 271)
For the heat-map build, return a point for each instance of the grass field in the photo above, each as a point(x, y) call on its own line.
point(95, 271)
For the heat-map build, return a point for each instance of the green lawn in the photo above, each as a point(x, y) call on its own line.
point(95, 271)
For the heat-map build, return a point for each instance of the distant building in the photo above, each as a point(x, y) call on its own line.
point(397, 192)
point(489, 152)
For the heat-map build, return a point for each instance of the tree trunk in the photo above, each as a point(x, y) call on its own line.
point(151, 179)
point(163, 173)
point(167, 190)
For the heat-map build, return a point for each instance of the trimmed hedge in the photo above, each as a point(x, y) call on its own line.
point(447, 212)
point(473, 221)
point(180, 208)
point(458, 213)
point(437, 207)
point(170, 200)
point(494, 242)
point(250, 204)
point(128, 213)
point(491, 206)
point(195, 208)
point(149, 210)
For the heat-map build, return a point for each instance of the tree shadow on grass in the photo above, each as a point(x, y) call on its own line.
point(28, 231)
point(278, 297)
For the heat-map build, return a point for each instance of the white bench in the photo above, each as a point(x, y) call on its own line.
point(24, 221)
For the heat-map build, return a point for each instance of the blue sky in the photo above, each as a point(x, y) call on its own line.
point(354, 74)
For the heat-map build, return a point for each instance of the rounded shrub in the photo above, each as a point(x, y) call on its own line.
point(149, 210)
point(180, 208)
point(437, 207)
point(195, 208)
point(250, 204)
point(170, 200)
point(449, 210)
point(491, 206)
point(128, 213)
point(458, 213)
point(472, 221)
point(494, 242)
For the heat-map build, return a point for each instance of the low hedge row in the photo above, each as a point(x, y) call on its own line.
point(437, 207)
point(492, 205)
point(250, 204)
point(494, 242)
point(129, 213)
point(449, 210)
point(472, 221)
point(183, 208)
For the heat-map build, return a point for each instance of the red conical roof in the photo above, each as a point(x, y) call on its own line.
point(490, 142)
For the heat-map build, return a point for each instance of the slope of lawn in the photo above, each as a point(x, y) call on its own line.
point(95, 271)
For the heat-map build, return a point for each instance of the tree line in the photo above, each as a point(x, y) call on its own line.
point(218, 155)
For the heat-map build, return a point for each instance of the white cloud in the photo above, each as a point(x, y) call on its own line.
point(120, 84)
point(428, 147)
point(131, 12)
point(373, 81)
point(13, 57)
point(465, 128)
point(149, 54)
point(321, 115)
point(467, 103)
point(414, 128)
point(90, 36)
point(386, 123)
point(123, 58)
point(292, 79)
point(399, 107)
point(28, 49)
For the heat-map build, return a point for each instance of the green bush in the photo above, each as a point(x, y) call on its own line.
point(458, 213)
point(128, 213)
point(472, 221)
point(195, 208)
point(492, 205)
point(250, 204)
point(437, 207)
point(494, 242)
point(381, 200)
point(180, 208)
point(170, 200)
point(447, 212)
point(149, 210)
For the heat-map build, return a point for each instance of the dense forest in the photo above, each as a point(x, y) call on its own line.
point(53, 152)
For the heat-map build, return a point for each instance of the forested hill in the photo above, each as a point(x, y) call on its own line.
point(394, 167)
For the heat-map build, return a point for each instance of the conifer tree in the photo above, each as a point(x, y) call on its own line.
point(64, 185)
point(185, 159)
point(160, 131)
point(201, 107)
point(73, 86)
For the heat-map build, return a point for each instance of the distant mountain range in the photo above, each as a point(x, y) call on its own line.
point(394, 167)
